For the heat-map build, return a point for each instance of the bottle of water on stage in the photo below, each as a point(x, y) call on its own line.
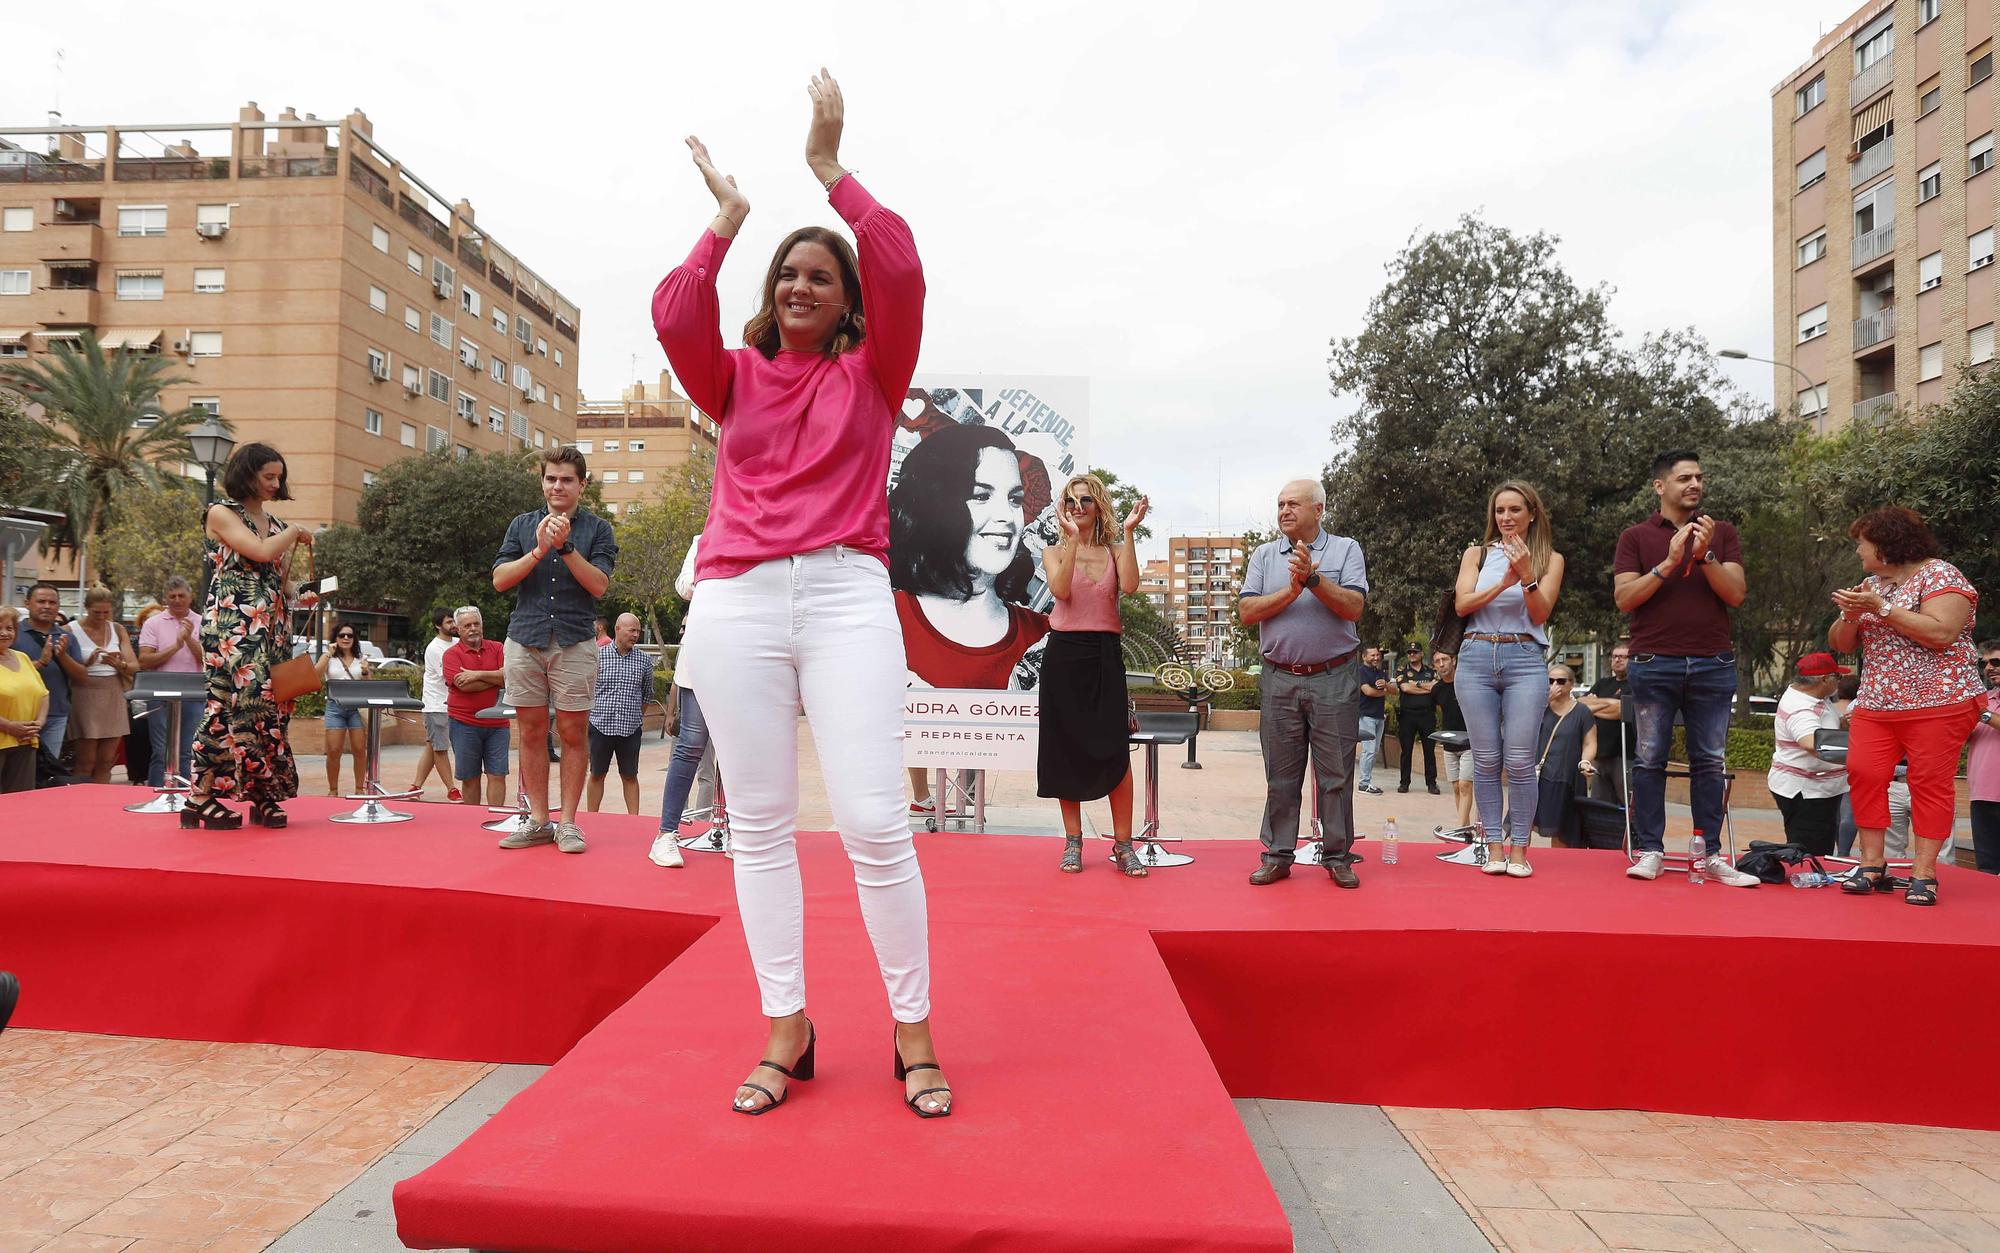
point(1389, 842)
point(1811, 879)
point(1697, 855)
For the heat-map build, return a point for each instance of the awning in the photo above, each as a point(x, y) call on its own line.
point(71, 265)
point(67, 336)
point(15, 334)
point(1871, 119)
point(137, 341)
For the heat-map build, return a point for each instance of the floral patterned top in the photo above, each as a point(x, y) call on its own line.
point(1897, 673)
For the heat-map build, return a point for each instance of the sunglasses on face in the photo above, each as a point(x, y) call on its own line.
point(1081, 503)
point(1558, 682)
point(1991, 661)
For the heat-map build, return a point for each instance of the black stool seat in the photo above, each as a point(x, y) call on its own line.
point(372, 694)
point(162, 685)
point(1451, 741)
point(1165, 728)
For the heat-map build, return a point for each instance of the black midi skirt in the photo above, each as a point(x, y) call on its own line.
point(1083, 753)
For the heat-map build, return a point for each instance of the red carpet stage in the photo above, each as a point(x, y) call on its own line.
point(1096, 1027)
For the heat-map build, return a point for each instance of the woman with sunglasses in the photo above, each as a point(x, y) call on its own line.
point(1568, 754)
point(1082, 754)
point(1507, 587)
point(343, 660)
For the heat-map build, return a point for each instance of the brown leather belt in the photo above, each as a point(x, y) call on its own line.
point(1504, 639)
point(1320, 667)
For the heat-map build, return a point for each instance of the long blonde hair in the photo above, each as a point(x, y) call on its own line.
point(1541, 544)
point(1104, 531)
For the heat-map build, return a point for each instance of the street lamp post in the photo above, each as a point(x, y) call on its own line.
point(212, 445)
point(1737, 354)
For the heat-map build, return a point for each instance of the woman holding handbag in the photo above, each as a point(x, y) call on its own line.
point(242, 750)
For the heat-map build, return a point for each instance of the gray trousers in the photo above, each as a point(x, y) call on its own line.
point(1318, 714)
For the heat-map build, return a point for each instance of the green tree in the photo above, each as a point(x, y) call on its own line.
point(97, 446)
point(653, 539)
point(427, 531)
point(1481, 359)
point(154, 532)
point(25, 458)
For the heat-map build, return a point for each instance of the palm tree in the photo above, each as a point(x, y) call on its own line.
point(107, 430)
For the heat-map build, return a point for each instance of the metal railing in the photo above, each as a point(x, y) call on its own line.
point(288, 167)
point(1871, 409)
point(1870, 81)
point(39, 169)
point(169, 169)
point(366, 177)
point(1875, 328)
point(418, 216)
point(1873, 161)
point(1879, 242)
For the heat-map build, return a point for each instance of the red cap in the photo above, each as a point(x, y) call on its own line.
point(1819, 665)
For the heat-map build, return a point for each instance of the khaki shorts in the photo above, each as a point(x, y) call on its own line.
point(1457, 766)
point(564, 679)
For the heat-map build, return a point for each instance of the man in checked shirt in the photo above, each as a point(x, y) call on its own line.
point(618, 712)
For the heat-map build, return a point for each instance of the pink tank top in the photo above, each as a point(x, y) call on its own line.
point(1092, 604)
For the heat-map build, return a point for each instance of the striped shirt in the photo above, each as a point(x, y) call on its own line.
point(624, 681)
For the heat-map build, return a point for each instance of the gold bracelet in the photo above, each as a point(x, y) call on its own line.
point(827, 184)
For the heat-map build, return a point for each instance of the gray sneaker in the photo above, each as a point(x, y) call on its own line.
point(530, 835)
point(569, 837)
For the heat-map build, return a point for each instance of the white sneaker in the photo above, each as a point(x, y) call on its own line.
point(1721, 871)
point(1496, 859)
point(667, 852)
point(923, 808)
point(1647, 867)
point(1519, 870)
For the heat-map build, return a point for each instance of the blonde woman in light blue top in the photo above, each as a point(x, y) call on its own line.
point(1507, 587)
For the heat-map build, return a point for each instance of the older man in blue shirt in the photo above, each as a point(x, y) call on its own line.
point(1305, 590)
point(557, 560)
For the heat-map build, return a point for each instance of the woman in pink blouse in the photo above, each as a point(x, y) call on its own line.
point(796, 611)
point(1920, 692)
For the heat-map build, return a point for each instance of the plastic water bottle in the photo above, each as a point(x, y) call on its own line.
point(1811, 879)
point(1389, 842)
point(1697, 856)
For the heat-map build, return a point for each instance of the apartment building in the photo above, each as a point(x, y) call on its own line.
point(313, 291)
point(1203, 576)
point(1882, 155)
point(1153, 580)
point(641, 439)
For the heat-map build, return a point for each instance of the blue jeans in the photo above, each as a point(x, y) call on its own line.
point(1702, 691)
point(1503, 690)
point(1371, 743)
point(156, 730)
point(689, 745)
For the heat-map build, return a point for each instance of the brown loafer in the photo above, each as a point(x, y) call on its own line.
point(1343, 874)
point(1269, 873)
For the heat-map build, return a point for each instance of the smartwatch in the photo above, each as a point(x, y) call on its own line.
point(569, 546)
point(1312, 580)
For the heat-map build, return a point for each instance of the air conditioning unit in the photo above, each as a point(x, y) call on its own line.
point(64, 208)
point(412, 390)
point(442, 287)
point(183, 347)
point(378, 370)
point(211, 230)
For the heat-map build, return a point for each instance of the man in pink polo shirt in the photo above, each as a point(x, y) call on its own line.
point(170, 642)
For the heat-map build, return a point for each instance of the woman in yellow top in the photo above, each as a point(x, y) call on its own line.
point(24, 706)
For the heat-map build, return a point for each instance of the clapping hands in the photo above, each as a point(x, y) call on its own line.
point(1138, 515)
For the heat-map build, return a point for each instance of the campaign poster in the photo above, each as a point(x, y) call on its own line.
point(976, 464)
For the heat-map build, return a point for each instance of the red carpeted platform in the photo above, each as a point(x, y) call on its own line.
point(1095, 1027)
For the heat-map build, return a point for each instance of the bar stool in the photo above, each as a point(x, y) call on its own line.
point(518, 818)
point(1474, 851)
point(156, 685)
point(1156, 729)
point(374, 695)
point(713, 840)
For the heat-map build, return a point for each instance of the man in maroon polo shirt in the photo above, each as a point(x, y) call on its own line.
point(1678, 574)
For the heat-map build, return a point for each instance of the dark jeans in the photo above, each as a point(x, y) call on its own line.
point(1318, 714)
point(156, 727)
point(1417, 727)
point(1702, 690)
point(689, 745)
point(1811, 822)
point(1986, 836)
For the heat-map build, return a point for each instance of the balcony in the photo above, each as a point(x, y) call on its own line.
point(1871, 410)
point(1875, 329)
point(1875, 245)
point(370, 180)
point(1865, 85)
point(289, 167)
point(1872, 161)
point(170, 169)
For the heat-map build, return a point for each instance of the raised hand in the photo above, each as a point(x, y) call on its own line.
point(1071, 530)
point(1520, 562)
point(1700, 537)
point(729, 202)
point(1302, 564)
point(1138, 515)
point(1677, 546)
point(829, 114)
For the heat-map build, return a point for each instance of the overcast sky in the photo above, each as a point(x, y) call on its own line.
point(1182, 202)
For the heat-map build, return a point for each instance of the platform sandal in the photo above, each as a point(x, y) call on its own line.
point(1861, 882)
point(1126, 858)
point(1922, 892)
point(798, 1071)
point(1072, 859)
point(211, 813)
point(268, 814)
point(903, 1072)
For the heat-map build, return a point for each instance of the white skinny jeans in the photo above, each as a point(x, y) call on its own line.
point(818, 632)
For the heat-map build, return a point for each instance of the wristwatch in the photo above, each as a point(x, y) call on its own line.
point(1709, 557)
point(1531, 585)
point(1312, 580)
point(569, 546)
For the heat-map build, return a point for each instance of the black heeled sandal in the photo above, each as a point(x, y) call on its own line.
point(903, 1072)
point(212, 814)
point(1126, 858)
point(798, 1071)
point(1922, 892)
point(1861, 882)
point(1072, 858)
point(268, 814)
